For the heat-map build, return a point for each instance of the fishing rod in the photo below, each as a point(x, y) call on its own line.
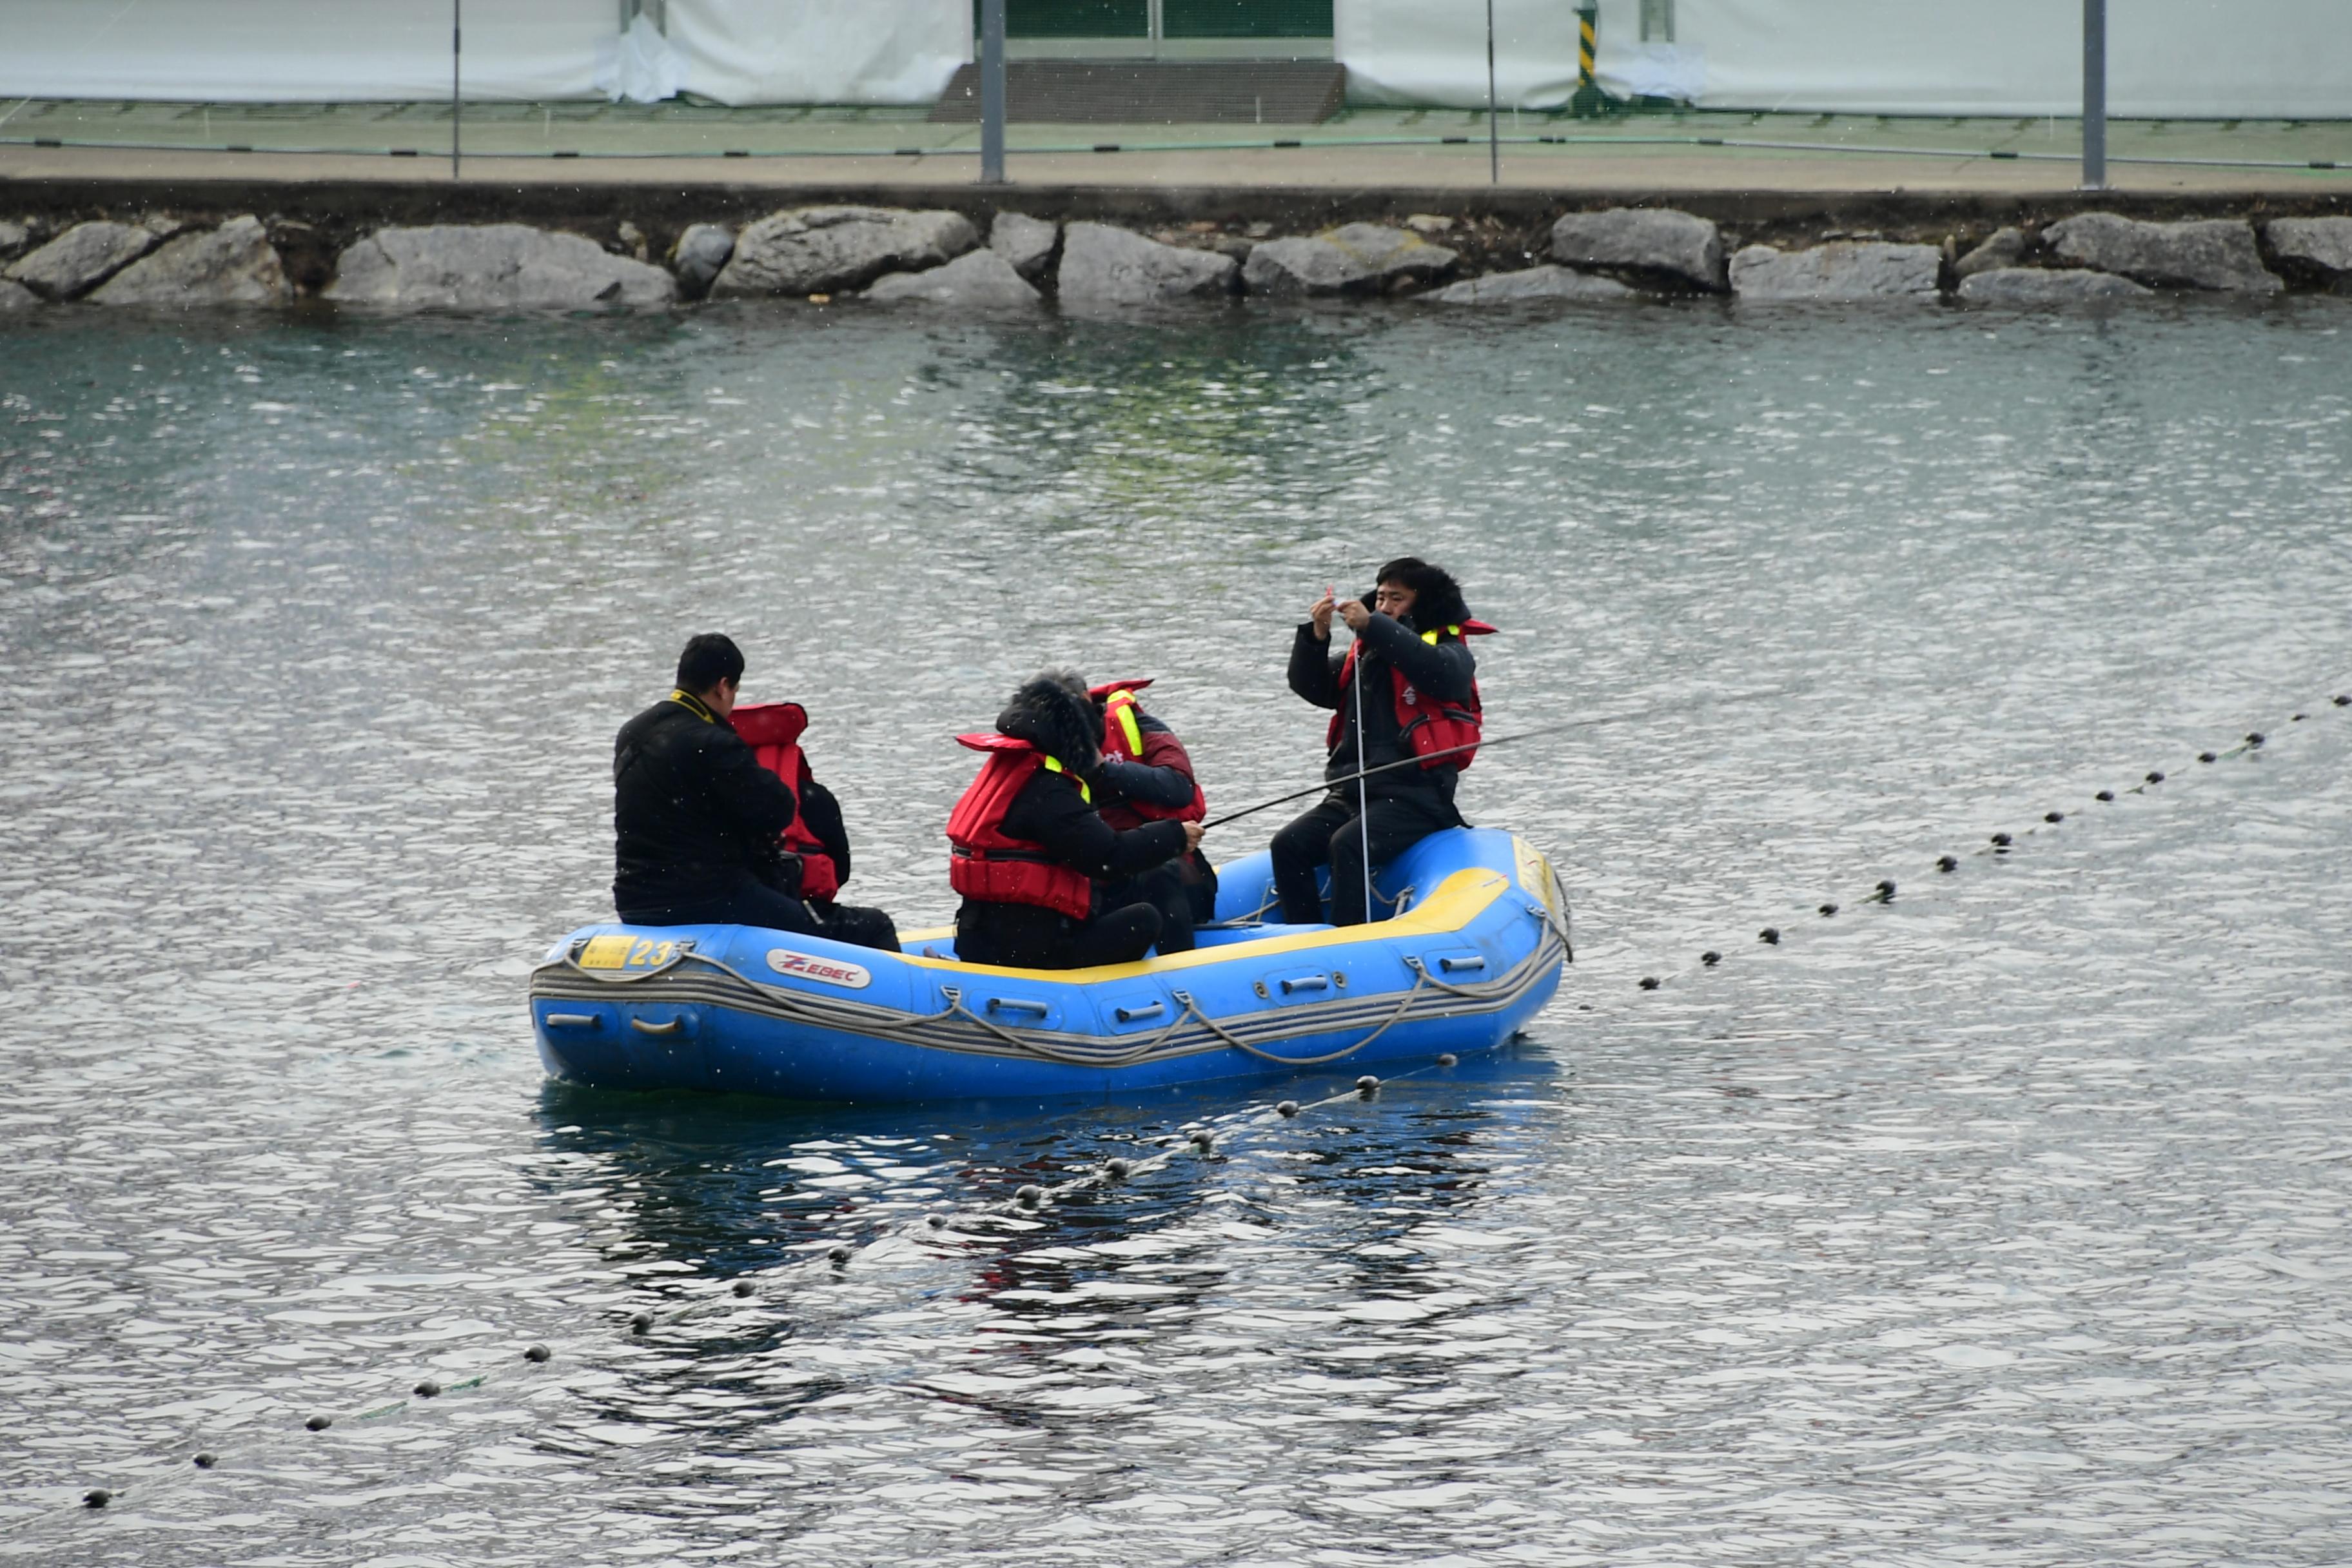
point(1414, 761)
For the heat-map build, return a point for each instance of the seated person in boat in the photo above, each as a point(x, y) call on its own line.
point(698, 825)
point(1028, 845)
point(817, 842)
point(1419, 699)
point(1147, 776)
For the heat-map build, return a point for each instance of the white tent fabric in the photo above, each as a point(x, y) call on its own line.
point(1434, 51)
point(639, 65)
point(297, 51)
point(821, 51)
point(2165, 59)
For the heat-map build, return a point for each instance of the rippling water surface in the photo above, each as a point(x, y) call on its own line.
point(2002, 1223)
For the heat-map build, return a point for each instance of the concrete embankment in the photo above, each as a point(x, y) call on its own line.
point(434, 245)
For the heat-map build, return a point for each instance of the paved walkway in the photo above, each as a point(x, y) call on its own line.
point(679, 144)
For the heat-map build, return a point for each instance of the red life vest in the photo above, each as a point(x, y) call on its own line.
point(1428, 728)
point(772, 730)
point(1125, 737)
point(988, 865)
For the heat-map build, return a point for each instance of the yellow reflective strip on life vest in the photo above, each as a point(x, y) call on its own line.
point(1125, 702)
point(1431, 636)
point(693, 705)
point(1054, 763)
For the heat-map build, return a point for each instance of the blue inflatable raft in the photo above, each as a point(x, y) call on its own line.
point(1471, 949)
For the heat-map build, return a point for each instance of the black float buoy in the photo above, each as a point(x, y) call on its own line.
point(838, 1253)
point(2255, 738)
point(2299, 718)
point(642, 1322)
point(96, 1496)
point(1367, 1084)
point(744, 1287)
point(1946, 863)
point(1710, 958)
point(2054, 816)
point(2155, 778)
point(427, 1389)
point(320, 1423)
point(1447, 1059)
point(1828, 910)
point(1769, 936)
point(936, 1221)
point(1649, 982)
point(2344, 701)
point(537, 1353)
point(1287, 1108)
point(2001, 840)
point(1118, 1167)
point(206, 1461)
point(1886, 890)
point(2104, 794)
point(1028, 1197)
point(1203, 1139)
point(2207, 757)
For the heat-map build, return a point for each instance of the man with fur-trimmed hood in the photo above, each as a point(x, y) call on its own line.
point(1418, 686)
point(1028, 844)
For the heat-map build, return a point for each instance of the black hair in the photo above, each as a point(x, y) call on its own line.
point(710, 658)
point(1436, 596)
point(1048, 714)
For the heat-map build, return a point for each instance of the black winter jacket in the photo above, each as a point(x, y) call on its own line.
point(692, 808)
point(1443, 671)
point(1050, 813)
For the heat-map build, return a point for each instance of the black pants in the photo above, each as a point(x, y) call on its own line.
point(1327, 836)
point(749, 901)
point(1023, 936)
point(1166, 887)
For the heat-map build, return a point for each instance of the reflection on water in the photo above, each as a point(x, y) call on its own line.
point(2004, 1222)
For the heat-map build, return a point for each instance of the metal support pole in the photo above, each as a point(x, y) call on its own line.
point(457, 77)
point(1588, 100)
point(991, 93)
point(2094, 95)
point(1494, 132)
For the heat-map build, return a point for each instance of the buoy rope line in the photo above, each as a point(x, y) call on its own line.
point(822, 1263)
point(1998, 843)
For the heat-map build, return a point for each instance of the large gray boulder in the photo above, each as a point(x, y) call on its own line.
point(1842, 270)
point(492, 266)
point(15, 239)
point(233, 264)
point(1107, 265)
point(824, 250)
point(1656, 241)
point(2210, 253)
point(978, 280)
point(701, 250)
point(1354, 259)
point(2322, 244)
point(81, 258)
point(2043, 286)
point(1026, 242)
point(1534, 283)
point(15, 297)
point(2006, 247)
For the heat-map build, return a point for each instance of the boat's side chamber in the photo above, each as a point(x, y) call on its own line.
point(741, 1009)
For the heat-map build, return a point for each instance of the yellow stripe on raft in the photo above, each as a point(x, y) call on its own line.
point(1459, 900)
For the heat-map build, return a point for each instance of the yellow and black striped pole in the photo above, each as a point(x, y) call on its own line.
point(1588, 100)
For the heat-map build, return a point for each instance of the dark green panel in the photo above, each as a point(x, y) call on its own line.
point(1246, 19)
point(1076, 18)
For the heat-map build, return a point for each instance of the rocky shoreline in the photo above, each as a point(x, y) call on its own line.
point(1008, 261)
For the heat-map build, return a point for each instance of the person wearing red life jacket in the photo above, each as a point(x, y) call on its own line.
point(1420, 698)
point(1028, 845)
point(698, 825)
point(1147, 776)
point(814, 851)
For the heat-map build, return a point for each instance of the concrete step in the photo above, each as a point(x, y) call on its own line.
point(1155, 92)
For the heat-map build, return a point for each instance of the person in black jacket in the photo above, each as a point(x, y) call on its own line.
point(1405, 805)
point(1052, 817)
point(697, 821)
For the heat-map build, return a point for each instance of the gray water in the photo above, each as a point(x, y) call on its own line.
point(2000, 1224)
